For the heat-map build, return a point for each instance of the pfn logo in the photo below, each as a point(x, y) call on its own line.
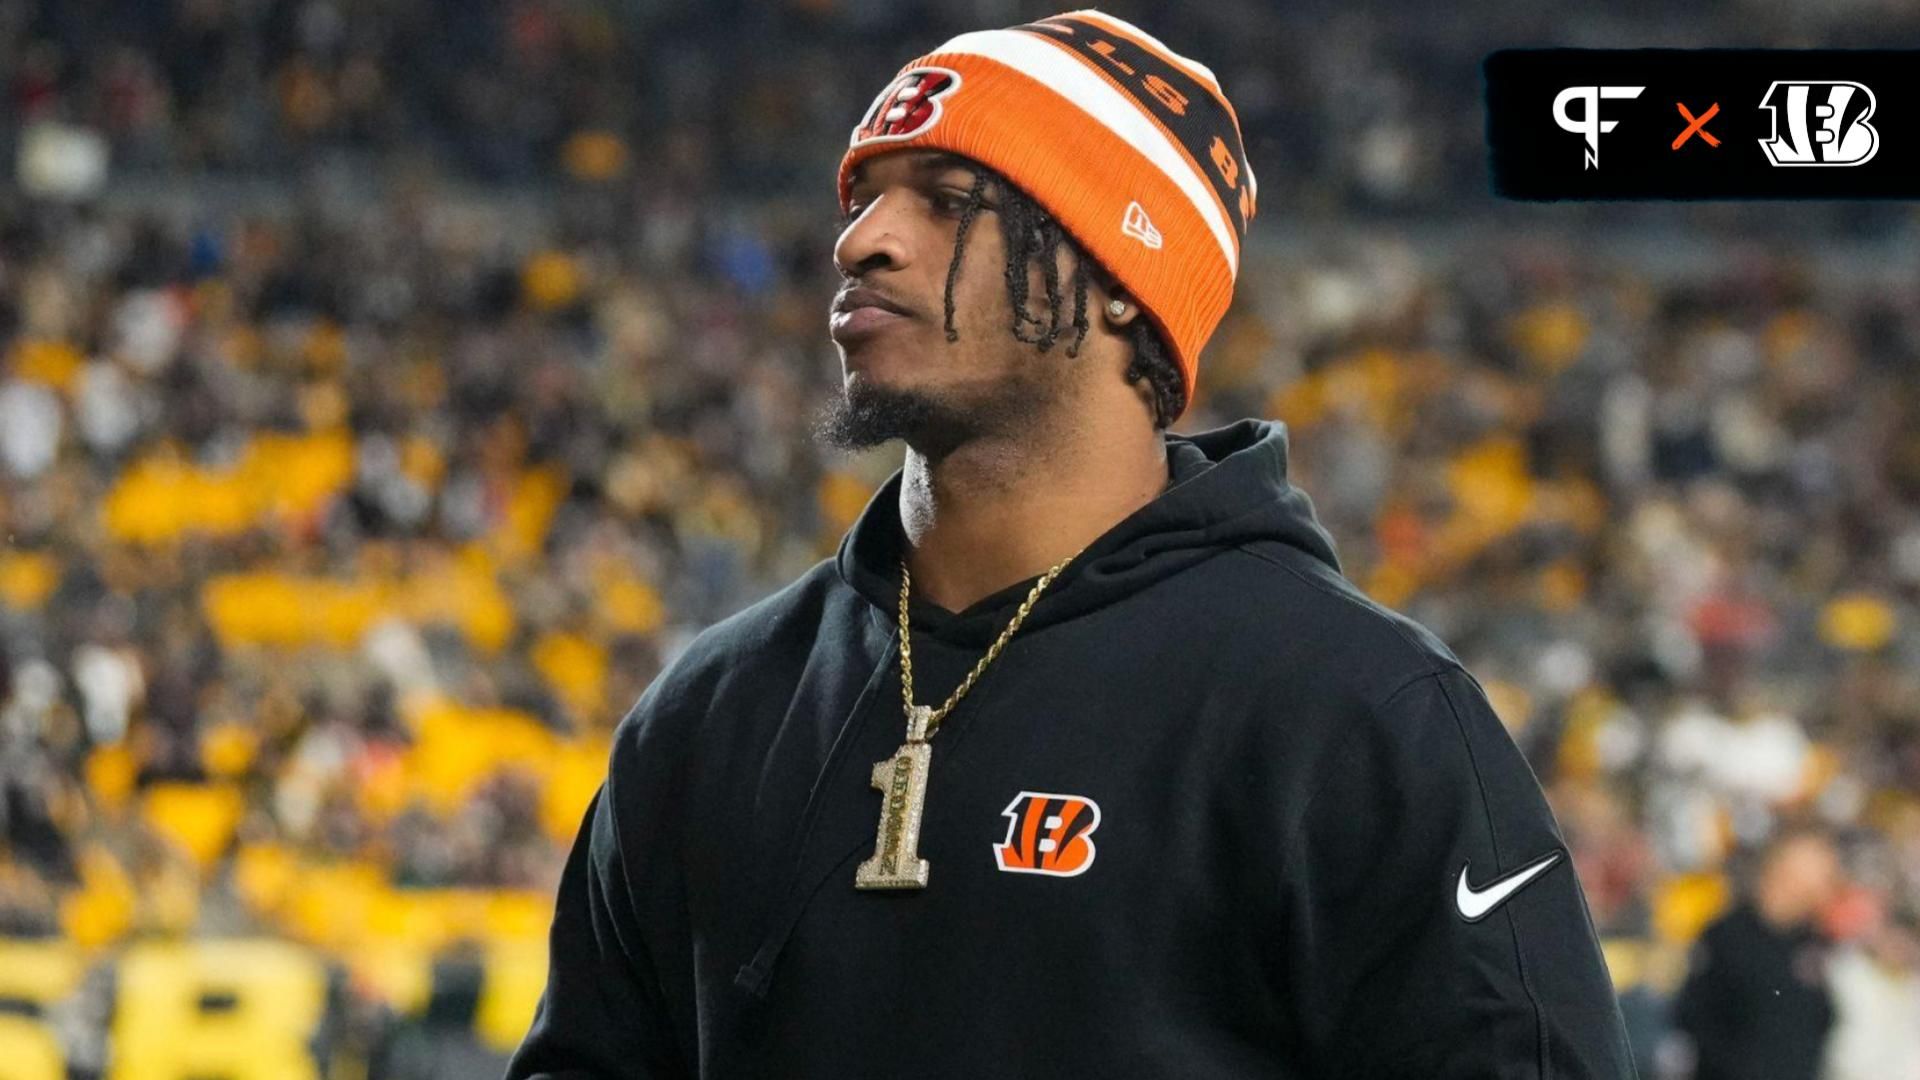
point(1589, 124)
point(1826, 123)
point(1048, 834)
point(907, 107)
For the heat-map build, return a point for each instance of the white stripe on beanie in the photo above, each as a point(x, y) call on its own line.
point(1193, 67)
point(1052, 66)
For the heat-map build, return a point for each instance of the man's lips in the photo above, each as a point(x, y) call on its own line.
point(846, 326)
point(861, 296)
point(862, 311)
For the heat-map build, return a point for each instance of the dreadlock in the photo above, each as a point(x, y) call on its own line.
point(1031, 233)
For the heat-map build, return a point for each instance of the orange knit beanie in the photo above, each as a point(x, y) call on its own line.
point(1129, 145)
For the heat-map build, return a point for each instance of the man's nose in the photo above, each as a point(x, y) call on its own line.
point(871, 242)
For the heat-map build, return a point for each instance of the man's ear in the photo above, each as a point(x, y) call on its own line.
point(1111, 299)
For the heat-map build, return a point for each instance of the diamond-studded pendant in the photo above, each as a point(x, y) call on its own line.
point(902, 782)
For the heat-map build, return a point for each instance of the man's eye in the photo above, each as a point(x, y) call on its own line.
point(851, 214)
point(948, 202)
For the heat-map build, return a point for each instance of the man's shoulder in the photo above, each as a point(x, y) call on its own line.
point(770, 624)
point(748, 646)
point(1296, 606)
point(1736, 929)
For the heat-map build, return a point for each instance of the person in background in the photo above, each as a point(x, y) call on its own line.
point(1756, 1003)
point(1876, 998)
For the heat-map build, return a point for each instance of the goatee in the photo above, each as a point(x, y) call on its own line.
point(936, 423)
point(864, 415)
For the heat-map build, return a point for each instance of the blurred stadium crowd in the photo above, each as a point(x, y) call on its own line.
point(420, 376)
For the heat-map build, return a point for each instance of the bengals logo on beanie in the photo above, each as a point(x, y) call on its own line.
point(1132, 147)
point(908, 107)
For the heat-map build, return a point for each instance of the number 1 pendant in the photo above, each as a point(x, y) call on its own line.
point(902, 781)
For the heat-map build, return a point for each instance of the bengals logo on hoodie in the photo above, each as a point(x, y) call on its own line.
point(1048, 833)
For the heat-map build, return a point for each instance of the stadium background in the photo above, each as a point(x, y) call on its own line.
point(389, 389)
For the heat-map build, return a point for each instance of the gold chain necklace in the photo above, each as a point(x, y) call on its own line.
point(902, 778)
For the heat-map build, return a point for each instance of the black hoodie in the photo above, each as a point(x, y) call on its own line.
point(1289, 836)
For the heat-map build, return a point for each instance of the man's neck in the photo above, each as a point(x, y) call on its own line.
point(1778, 910)
point(991, 514)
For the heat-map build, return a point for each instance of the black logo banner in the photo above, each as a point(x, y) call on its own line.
point(1704, 123)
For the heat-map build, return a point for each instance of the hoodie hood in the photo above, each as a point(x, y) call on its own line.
point(1228, 487)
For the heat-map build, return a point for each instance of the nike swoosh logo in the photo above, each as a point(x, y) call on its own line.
point(1476, 904)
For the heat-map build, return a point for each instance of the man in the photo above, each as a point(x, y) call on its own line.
point(1145, 788)
point(1755, 1003)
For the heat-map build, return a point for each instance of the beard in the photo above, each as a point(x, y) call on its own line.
point(865, 414)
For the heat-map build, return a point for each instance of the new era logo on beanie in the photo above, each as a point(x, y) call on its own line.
point(1167, 202)
point(1137, 225)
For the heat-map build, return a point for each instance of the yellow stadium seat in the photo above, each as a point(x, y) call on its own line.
point(1684, 904)
point(197, 818)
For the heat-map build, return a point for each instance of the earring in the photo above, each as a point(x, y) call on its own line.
point(1116, 308)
